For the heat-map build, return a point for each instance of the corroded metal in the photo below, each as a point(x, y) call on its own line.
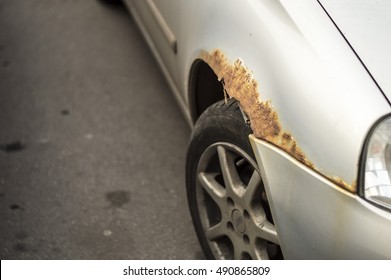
point(239, 83)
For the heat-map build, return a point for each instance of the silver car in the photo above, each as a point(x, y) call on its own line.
point(289, 102)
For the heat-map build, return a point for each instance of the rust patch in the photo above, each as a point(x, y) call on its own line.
point(350, 187)
point(238, 83)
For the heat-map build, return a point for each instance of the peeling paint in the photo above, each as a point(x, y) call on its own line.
point(239, 83)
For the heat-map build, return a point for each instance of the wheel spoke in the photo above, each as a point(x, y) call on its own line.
point(268, 232)
point(237, 253)
point(216, 231)
point(212, 187)
point(260, 252)
point(237, 246)
point(252, 188)
point(228, 168)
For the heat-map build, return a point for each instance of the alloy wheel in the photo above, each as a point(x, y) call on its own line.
point(233, 206)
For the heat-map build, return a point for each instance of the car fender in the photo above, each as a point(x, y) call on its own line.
point(321, 93)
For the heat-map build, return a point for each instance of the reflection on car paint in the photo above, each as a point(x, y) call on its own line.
point(239, 83)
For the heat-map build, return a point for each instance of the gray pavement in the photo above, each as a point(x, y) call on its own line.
point(92, 142)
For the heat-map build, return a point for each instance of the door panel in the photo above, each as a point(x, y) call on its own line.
point(159, 18)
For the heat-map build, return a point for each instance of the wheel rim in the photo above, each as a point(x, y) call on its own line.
point(233, 206)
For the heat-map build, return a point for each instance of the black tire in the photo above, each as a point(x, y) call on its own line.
point(221, 135)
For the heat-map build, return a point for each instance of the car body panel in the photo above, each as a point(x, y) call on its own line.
point(328, 222)
point(149, 11)
point(366, 24)
point(317, 69)
point(151, 41)
point(323, 96)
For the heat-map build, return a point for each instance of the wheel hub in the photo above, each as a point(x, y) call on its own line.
point(238, 221)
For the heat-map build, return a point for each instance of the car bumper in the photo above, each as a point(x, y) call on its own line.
point(315, 218)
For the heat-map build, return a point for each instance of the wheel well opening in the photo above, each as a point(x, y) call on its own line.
point(205, 89)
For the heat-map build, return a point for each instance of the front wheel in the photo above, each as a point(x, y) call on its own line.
point(225, 190)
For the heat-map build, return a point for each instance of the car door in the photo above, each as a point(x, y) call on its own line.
point(159, 22)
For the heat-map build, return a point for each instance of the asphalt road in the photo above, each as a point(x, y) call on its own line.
point(92, 142)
